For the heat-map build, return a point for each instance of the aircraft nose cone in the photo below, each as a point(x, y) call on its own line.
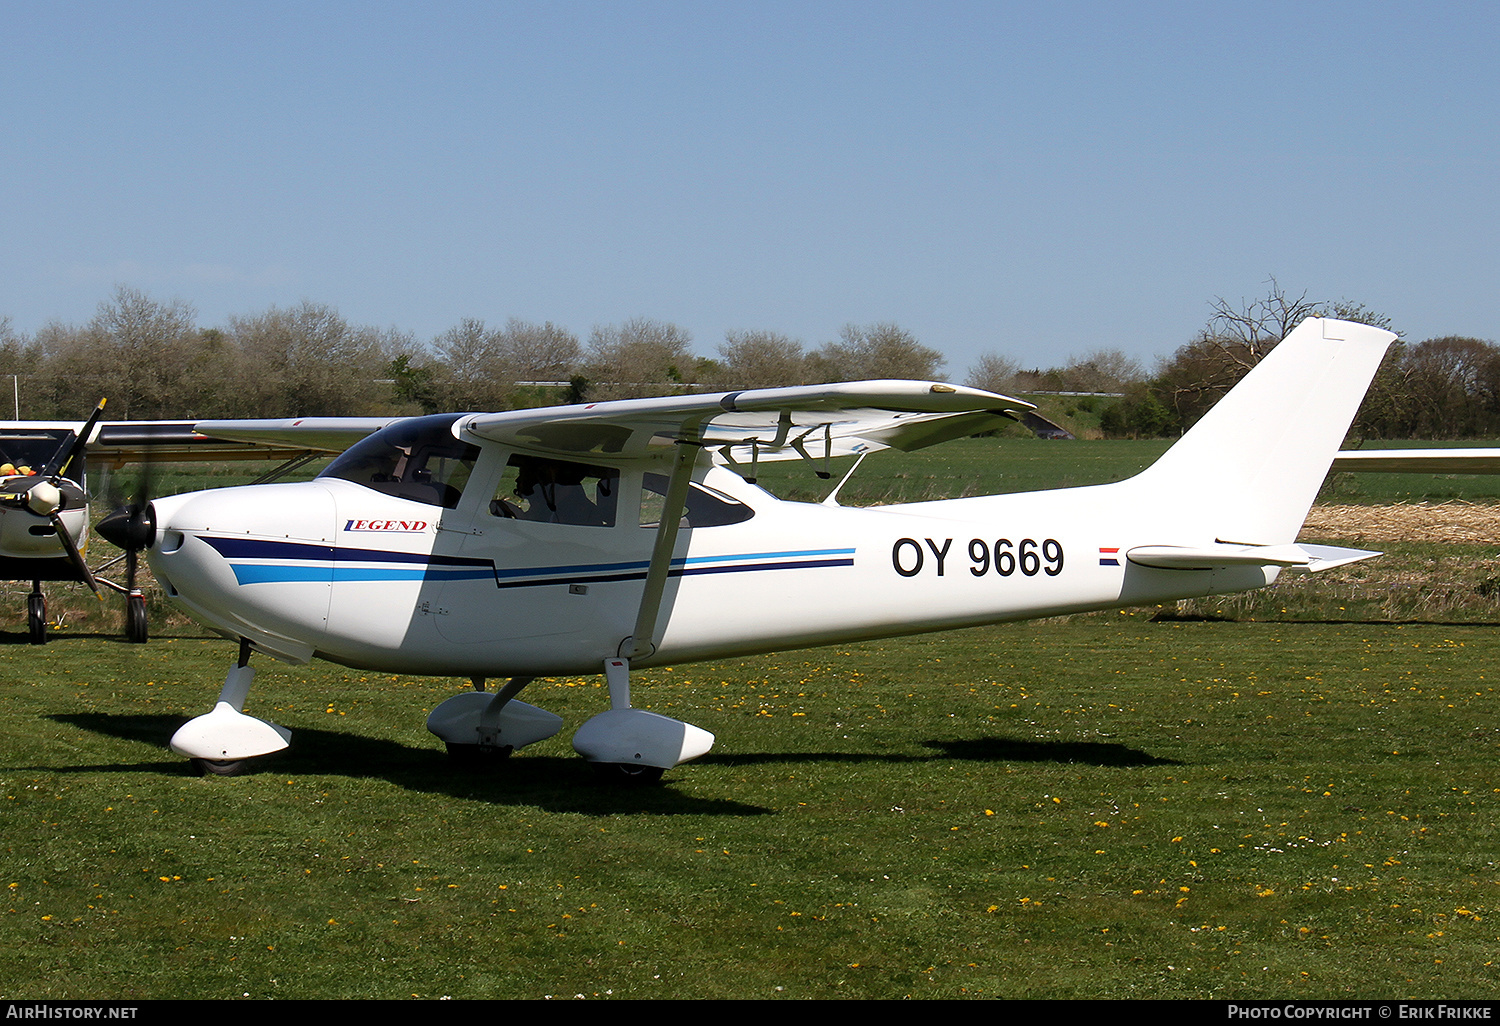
point(130, 529)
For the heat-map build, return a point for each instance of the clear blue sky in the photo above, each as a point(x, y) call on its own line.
point(1034, 179)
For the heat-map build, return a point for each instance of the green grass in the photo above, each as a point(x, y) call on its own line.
point(1297, 802)
point(1097, 807)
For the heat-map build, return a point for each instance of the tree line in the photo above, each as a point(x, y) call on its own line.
point(154, 361)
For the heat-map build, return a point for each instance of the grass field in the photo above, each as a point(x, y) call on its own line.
point(1293, 796)
point(1098, 807)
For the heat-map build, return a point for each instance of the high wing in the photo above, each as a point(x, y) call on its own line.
point(763, 424)
point(1420, 461)
point(768, 424)
point(121, 442)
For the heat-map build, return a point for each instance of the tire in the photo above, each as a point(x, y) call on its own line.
point(477, 757)
point(627, 774)
point(36, 618)
point(220, 768)
point(136, 627)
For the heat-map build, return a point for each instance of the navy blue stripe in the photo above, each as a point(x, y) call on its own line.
point(692, 571)
point(252, 548)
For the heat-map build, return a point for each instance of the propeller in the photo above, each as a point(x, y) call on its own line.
point(42, 493)
point(132, 527)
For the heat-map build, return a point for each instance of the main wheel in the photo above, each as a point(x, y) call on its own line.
point(220, 767)
point(36, 618)
point(627, 774)
point(135, 619)
point(477, 757)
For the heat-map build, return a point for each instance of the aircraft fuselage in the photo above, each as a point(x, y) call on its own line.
point(341, 571)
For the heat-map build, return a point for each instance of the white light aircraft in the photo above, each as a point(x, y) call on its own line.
point(43, 511)
point(615, 535)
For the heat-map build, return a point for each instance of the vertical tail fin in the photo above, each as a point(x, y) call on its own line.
point(1250, 469)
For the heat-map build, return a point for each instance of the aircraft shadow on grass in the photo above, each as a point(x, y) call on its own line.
point(21, 637)
point(984, 749)
point(559, 783)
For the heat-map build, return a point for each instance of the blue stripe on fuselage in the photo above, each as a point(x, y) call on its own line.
point(296, 561)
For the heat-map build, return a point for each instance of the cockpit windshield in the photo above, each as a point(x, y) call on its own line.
point(25, 453)
point(417, 459)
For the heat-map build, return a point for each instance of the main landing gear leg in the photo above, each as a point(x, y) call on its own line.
point(481, 729)
point(224, 742)
point(634, 746)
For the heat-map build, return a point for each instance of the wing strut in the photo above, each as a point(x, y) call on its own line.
point(642, 642)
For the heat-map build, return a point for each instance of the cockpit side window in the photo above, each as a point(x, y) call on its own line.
point(417, 459)
point(705, 507)
point(557, 492)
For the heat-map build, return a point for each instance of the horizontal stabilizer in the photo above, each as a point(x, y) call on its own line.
point(1420, 461)
point(1222, 556)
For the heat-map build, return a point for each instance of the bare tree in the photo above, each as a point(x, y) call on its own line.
point(536, 352)
point(642, 357)
point(1103, 370)
point(994, 373)
point(876, 351)
point(20, 356)
point(466, 355)
point(1235, 340)
point(760, 359)
point(309, 361)
point(133, 352)
point(1248, 332)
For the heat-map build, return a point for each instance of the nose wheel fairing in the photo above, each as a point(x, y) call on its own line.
point(226, 734)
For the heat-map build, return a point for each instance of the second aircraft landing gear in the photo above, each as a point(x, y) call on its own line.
point(135, 617)
point(36, 614)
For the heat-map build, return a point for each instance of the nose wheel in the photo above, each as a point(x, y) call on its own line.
point(135, 618)
point(225, 742)
point(36, 614)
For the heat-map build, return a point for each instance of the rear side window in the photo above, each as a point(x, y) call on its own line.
point(705, 506)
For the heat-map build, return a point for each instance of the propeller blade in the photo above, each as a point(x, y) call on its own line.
point(70, 448)
point(73, 554)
